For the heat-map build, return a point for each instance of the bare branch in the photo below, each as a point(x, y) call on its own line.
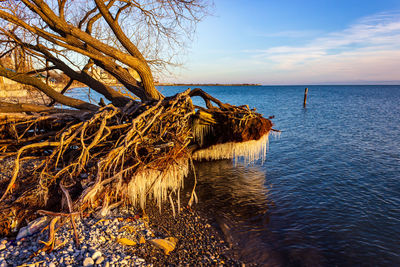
point(61, 6)
point(41, 86)
point(150, 27)
point(41, 70)
point(62, 92)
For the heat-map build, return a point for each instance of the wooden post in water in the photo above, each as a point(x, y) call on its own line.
point(305, 97)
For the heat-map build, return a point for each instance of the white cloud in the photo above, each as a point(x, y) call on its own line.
point(368, 49)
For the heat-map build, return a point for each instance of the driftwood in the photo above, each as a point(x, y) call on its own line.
point(88, 161)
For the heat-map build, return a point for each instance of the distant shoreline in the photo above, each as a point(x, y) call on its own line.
point(207, 84)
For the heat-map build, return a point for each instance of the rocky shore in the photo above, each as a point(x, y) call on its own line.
point(101, 242)
point(200, 240)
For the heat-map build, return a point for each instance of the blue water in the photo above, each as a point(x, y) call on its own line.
point(332, 178)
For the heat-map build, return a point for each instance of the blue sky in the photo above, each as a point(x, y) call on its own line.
point(296, 42)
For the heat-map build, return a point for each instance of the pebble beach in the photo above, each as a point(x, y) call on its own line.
point(101, 242)
point(125, 236)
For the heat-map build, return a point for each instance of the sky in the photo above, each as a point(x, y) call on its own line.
point(296, 42)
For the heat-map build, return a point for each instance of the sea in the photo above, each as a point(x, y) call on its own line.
point(328, 193)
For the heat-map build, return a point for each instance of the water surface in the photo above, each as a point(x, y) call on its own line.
point(329, 191)
point(333, 176)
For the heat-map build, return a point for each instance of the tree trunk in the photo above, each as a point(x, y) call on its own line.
point(50, 92)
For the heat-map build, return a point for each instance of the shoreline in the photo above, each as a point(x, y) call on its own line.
point(200, 240)
point(207, 84)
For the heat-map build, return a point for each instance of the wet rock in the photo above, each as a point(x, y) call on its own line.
point(167, 245)
point(32, 227)
point(100, 260)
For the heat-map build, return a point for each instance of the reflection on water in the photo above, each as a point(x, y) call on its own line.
point(236, 197)
point(238, 189)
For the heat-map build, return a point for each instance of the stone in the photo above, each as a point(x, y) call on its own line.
point(2, 246)
point(96, 254)
point(100, 260)
point(88, 262)
point(52, 264)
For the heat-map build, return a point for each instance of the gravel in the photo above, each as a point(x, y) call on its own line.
point(92, 250)
point(198, 242)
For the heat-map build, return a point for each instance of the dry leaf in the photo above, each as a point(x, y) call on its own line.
point(167, 245)
point(126, 241)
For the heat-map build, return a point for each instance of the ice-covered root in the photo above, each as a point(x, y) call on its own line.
point(250, 151)
point(157, 183)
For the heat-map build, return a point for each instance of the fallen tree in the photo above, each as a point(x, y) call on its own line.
point(91, 157)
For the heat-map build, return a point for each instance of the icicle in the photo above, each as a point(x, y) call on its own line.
point(276, 134)
point(200, 131)
point(250, 151)
point(157, 183)
point(172, 205)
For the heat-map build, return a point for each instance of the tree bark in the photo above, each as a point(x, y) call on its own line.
point(15, 108)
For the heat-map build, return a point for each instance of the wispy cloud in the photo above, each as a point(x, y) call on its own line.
point(370, 46)
point(367, 51)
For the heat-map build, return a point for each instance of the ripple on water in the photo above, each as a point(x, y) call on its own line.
point(329, 192)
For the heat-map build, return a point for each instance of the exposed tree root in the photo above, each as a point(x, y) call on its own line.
point(90, 161)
